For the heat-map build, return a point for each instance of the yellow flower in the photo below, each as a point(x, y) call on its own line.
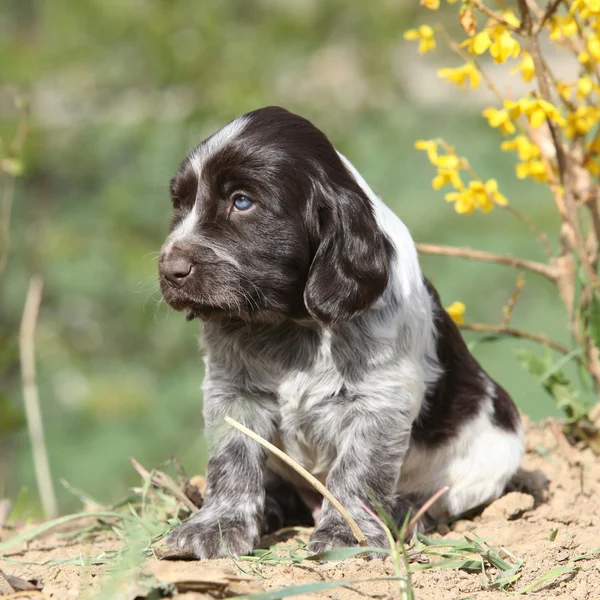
point(587, 8)
point(504, 47)
point(491, 189)
point(582, 120)
point(425, 34)
point(584, 86)
point(526, 149)
point(511, 18)
point(456, 311)
point(593, 46)
point(484, 195)
point(562, 27)
point(526, 67)
point(460, 75)
point(447, 161)
point(478, 44)
point(499, 118)
point(445, 177)
point(430, 146)
point(533, 169)
point(431, 4)
point(564, 89)
point(592, 166)
point(535, 109)
point(464, 203)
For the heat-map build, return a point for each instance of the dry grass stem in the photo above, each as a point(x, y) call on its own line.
point(31, 397)
point(356, 530)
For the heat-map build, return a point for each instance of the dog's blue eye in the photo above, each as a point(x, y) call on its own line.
point(242, 203)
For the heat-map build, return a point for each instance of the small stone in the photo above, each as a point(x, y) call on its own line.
point(511, 506)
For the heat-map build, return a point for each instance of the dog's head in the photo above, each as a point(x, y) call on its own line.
point(267, 218)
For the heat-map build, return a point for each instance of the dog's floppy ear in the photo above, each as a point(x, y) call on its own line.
point(349, 271)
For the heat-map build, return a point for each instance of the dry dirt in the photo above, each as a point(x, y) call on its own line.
point(570, 508)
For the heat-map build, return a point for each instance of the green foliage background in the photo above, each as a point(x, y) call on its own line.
point(119, 91)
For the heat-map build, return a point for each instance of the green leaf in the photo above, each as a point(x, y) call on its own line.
point(311, 588)
point(465, 564)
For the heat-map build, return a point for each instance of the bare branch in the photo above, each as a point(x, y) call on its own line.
point(516, 333)
point(547, 271)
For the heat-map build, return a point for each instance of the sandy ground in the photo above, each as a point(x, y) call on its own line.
point(547, 533)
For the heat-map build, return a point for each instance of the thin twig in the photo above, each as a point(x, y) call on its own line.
point(540, 235)
point(492, 15)
point(550, 10)
point(517, 333)
point(514, 298)
point(32, 399)
point(547, 271)
point(356, 530)
point(160, 479)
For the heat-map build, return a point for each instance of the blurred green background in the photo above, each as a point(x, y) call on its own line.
point(118, 91)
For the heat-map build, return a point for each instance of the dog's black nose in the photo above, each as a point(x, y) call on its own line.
point(176, 270)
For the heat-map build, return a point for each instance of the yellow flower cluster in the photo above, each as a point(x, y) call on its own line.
point(476, 194)
point(529, 154)
point(425, 36)
point(460, 75)
point(535, 110)
point(457, 311)
point(572, 107)
point(497, 39)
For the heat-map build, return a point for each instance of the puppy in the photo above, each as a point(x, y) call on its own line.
point(322, 336)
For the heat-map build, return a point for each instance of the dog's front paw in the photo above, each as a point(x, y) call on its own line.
point(329, 535)
point(210, 534)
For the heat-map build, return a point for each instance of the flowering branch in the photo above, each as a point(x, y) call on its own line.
point(555, 132)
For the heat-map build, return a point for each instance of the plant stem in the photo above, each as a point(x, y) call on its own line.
point(32, 399)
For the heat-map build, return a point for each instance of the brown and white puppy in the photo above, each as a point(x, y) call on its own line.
point(323, 336)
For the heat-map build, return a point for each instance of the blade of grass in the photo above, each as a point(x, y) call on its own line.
point(553, 574)
point(30, 534)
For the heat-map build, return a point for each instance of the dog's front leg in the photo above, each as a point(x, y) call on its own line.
point(370, 450)
point(229, 521)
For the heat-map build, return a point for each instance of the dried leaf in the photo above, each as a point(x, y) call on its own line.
point(467, 20)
